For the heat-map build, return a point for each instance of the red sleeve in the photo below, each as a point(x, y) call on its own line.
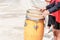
point(57, 0)
point(52, 1)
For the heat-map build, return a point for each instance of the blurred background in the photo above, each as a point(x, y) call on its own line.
point(12, 18)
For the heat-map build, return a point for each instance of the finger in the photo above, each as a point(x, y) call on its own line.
point(44, 15)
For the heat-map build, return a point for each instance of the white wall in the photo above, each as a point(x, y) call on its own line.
point(14, 6)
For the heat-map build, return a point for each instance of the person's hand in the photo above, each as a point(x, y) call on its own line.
point(42, 9)
point(45, 13)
